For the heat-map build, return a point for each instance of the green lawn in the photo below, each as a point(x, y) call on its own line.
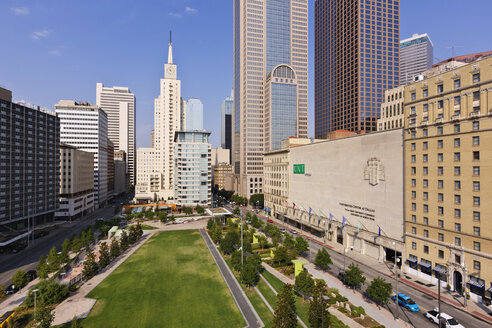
point(171, 281)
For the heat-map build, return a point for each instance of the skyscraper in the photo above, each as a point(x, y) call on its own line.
point(155, 166)
point(226, 124)
point(356, 60)
point(416, 56)
point(194, 115)
point(270, 82)
point(119, 105)
point(85, 127)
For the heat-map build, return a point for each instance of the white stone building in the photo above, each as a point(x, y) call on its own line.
point(392, 116)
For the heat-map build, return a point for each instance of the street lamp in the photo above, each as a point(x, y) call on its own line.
point(396, 278)
point(344, 256)
point(242, 257)
point(35, 291)
point(325, 299)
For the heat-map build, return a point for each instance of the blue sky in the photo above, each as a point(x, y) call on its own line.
point(60, 49)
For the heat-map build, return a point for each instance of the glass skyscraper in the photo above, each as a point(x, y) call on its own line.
point(416, 56)
point(356, 60)
point(270, 83)
point(226, 124)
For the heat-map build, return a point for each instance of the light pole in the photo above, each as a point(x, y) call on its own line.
point(396, 278)
point(344, 256)
point(242, 257)
point(324, 299)
point(35, 291)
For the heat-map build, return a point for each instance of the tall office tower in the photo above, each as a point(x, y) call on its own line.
point(29, 167)
point(194, 115)
point(119, 104)
point(270, 82)
point(85, 127)
point(416, 56)
point(356, 60)
point(110, 169)
point(226, 124)
point(155, 166)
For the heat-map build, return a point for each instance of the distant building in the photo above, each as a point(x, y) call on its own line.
point(194, 115)
point(220, 155)
point(392, 113)
point(193, 169)
point(226, 123)
point(110, 169)
point(121, 176)
point(220, 172)
point(29, 167)
point(76, 183)
point(416, 56)
point(119, 105)
point(85, 127)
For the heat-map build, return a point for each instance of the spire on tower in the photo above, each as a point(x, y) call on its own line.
point(170, 53)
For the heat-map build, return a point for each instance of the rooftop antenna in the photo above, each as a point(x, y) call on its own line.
point(170, 37)
point(452, 50)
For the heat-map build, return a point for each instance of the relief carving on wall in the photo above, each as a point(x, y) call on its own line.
point(374, 171)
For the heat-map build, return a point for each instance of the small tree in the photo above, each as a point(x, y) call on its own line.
point(304, 284)
point(132, 236)
point(379, 290)
point(280, 255)
point(237, 211)
point(289, 242)
point(42, 268)
point(53, 260)
point(262, 240)
point(199, 209)
point(249, 276)
point(104, 230)
point(163, 217)
point(149, 215)
point(301, 245)
point(323, 259)
point(2, 293)
point(44, 317)
point(90, 236)
point(318, 308)
point(77, 244)
point(216, 234)
point(236, 260)
point(285, 312)
point(66, 246)
point(353, 276)
point(90, 265)
point(124, 241)
point(255, 261)
point(75, 323)
point(104, 257)
point(20, 278)
point(229, 241)
point(114, 249)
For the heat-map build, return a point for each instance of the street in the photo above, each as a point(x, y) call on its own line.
point(426, 302)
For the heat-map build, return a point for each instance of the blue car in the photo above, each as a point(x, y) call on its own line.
point(406, 302)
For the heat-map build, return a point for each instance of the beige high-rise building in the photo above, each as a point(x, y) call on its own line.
point(392, 116)
point(270, 83)
point(155, 165)
point(448, 177)
point(119, 105)
point(220, 155)
point(220, 172)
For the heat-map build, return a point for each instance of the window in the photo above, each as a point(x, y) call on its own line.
point(413, 146)
point(476, 77)
point(440, 197)
point(476, 140)
point(426, 107)
point(440, 143)
point(476, 216)
point(413, 95)
point(476, 170)
point(414, 218)
point(457, 227)
point(476, 201)
point(440, 210)
point(414, 182)
point(457, 83)
point(476, 95)
point(414, 134)
point(440, 223)
point(440, 184)
point(440, 170)
point(457, 213)
point(426, 183)
point(440, 157)
point(413, 158)
point(425, 170)
point(476, 246)
point(476, 125)
point(457, 157)
point(457, 199)
point(476, 185)
point(440, 88)
point(414, 230)
point(457, 185)
point(457, 100)
point(457, 258)
point(426, 248)
point(425, 132)
point(440, 236)
point(439, 130)
point(414, 245)
point(414, 206)
point(414, 170)
point(476, 155)
point(457, 142)
point(426, 220)
point(476, 231)
point(425, 93)
point(414, 194)
point(440, 104)
point(476, 265)
point(426, 195)
point(426, 233)
point(426, 208)
point(425, 145)
point(457, 170)
point(457, 241)
point(441, 254)
point(457, 128)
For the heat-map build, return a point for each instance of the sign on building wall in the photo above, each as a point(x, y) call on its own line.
point(299, 169)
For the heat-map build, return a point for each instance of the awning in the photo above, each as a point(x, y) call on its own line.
point(413, 260)
point(425, 264)
point(479, 283)
point(440, 269)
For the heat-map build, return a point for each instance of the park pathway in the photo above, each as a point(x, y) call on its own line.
point(245, 306)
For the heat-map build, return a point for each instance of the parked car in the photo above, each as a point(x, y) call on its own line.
point(341, 276)
point(11, 289)
point(448, 321)
point(406, 302)
point(270, 221)
point(293, 232)
point(283, 230)
point(31, 274)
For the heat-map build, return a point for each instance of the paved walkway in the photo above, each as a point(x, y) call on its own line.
point(245, 306)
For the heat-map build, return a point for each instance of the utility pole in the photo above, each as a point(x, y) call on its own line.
point(242, 256)
point(396, 278)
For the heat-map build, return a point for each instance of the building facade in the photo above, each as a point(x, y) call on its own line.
point(29, 167)
point(85, 127)
point(226, 124)
point(121, 176)
point(416, 56)
point(76, 183)
point(194, 115)
point(155, 168)
point(119, 105)
point(110, 169)
point(220, 156)
point(356, 57)
point(392, 116)
point(193, 168)
point(220, 172)
point(270, 71)
point(448, 133)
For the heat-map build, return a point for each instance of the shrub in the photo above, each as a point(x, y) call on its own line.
point(48, 290)
point(20, 278)
point(356, 311)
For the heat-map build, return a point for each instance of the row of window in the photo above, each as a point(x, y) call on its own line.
point(440, 87)
point(440, 130)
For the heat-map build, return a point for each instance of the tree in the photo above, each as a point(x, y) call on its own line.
point(249, 276)
point(256, 200)
point(210, 224)
point(75, 323)
point(163, 217)
point(353, 276)
point(236, 260)
point(42, 268)
point(66, 246)
point(280, 255)
point(237, 211)
point(285, 312)
point(90, 265)
point(2, 293)
point(90, 236)
point(43, 314)
point(124, 241)
point(199, 209)
point(187, 210)
point(229, 241)
point(379, 290)
point(216, 234)
point(255, 261)
point(262, 240)
point(304, 284)
point(50, 291)
point(149, 215)
point(323, 259)
point(20, 278)
point(77, 244)
point(53, 260)
point(132, 236)
point(301, 245)
point(289, 241)
point(104, 257)
point(114, 249)
point(318, 308)
point(104, 229)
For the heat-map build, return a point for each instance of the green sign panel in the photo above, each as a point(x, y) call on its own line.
point(299, 169)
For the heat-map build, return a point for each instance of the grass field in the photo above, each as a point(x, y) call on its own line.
point(171, 281)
